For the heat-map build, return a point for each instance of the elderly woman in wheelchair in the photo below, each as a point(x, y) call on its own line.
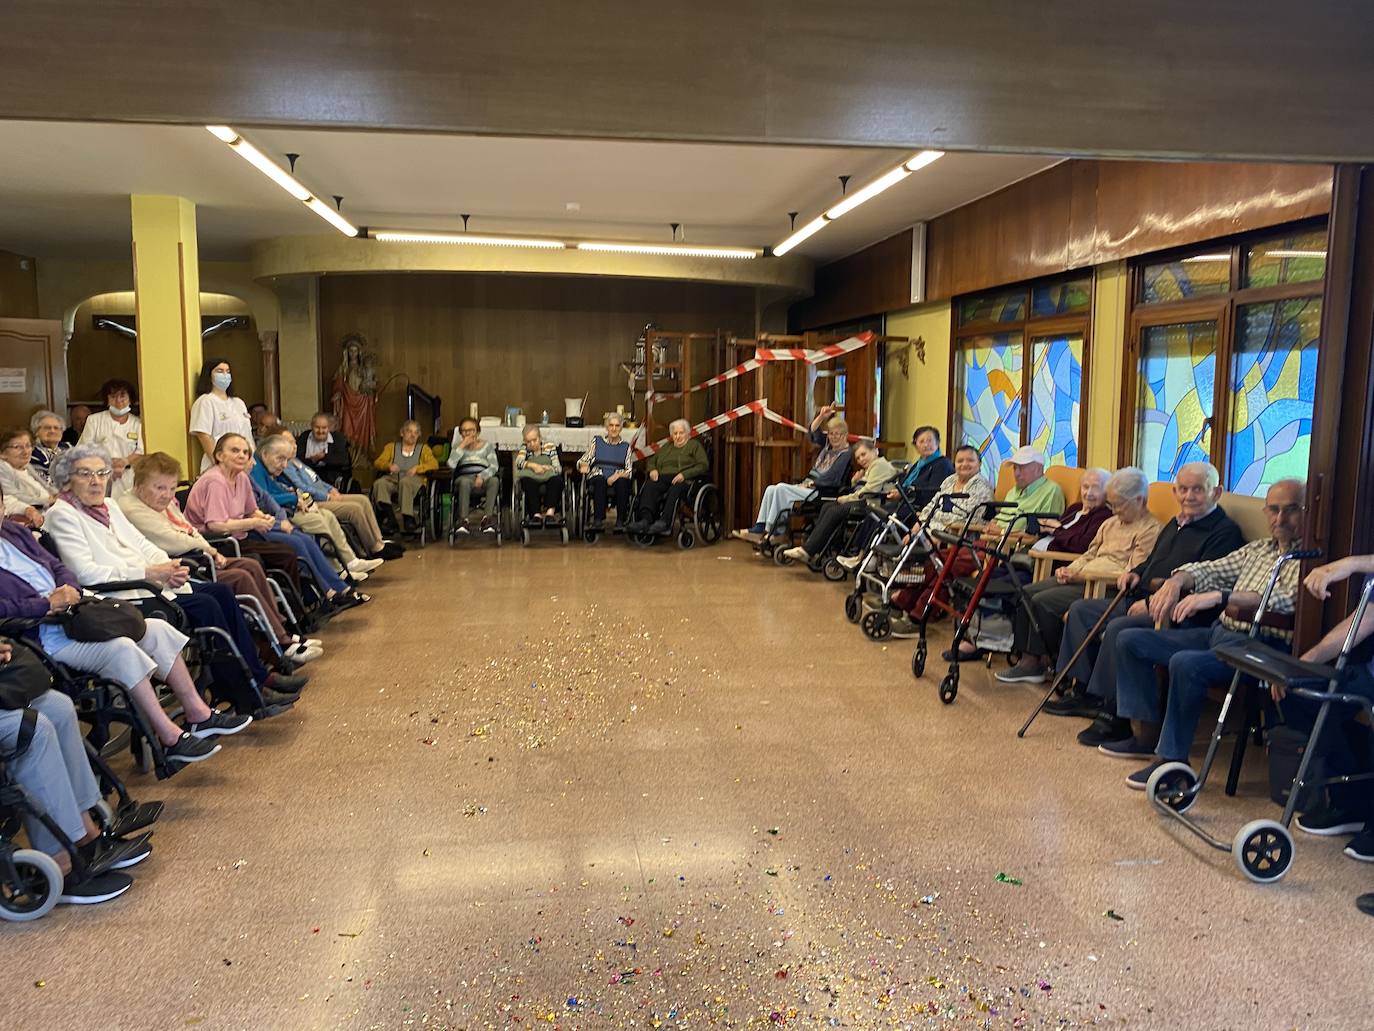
point(671, 471)
point(827, 478)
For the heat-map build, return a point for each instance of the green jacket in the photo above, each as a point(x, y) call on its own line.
point(1042, 496)
point(689, 460)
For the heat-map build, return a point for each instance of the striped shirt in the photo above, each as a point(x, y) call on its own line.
point(1247, 569)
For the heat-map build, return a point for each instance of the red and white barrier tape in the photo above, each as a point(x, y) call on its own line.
point(812, 356)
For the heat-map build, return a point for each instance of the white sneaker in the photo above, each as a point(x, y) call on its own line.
point(309, 642)
point(850, 562)
point(797, 554)
point(357, 578)
point(303, 653)
point(364, 565)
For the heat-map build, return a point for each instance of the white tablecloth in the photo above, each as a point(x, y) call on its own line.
point(568, 438)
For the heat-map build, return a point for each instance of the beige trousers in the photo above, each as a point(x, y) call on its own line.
point(356, 511)
point(318, 521)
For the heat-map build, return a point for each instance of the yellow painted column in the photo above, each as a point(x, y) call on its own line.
point(167, 306)
point(1110, 309)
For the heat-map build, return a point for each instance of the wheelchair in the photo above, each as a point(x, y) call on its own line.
point(589, 529)
point(452, 529)
point(699, 518)
point(526, 526)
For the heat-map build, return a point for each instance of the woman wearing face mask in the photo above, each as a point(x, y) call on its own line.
point(216, 411)
point(117, 430)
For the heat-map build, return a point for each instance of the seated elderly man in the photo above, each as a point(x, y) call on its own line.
point(325, 449)
point(1199, 533)
point(1187, 650)
point(1121, 542)
point(671, 468)
point(54, 771)
point(872, 478)
point(403, 469)
point(827, 478)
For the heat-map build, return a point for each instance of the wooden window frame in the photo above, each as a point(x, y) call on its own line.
point(1223, 307)
point(1031, 328)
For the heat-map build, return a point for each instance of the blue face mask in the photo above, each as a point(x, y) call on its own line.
point(221, 379)
point(121, 412)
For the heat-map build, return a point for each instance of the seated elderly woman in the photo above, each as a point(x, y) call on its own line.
point(269, 473)
point(152, 508)
point(47, 429)
point(353, 510)
point(55, 772)
point(920, 483)
point(404, 465)
point(222, 502)
point(99, 545)
point(1122, 541)
point(22, 486)
point(539, 475)
point(671, 469)
point(608, 468)
point(475, 471)
point(35, 585)
point(828, 476)
point(872, 477)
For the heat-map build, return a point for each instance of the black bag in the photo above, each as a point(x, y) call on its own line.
point(1286, 748)
point(22, 679)
point(104, 619)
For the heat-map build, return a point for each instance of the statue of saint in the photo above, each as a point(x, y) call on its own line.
point(355, 394)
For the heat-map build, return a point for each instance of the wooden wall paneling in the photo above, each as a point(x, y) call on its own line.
point(874, 280)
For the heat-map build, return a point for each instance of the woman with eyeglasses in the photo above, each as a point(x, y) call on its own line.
point(47, 429)
point(475, 471)
point(117, 430)
point(21, 484)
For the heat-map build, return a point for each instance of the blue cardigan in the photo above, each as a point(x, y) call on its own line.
point(282, 493)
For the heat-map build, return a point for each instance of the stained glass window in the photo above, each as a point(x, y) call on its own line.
point(1062, 298)
point(1174, 403)
point(1274, 378)
point(1296, 258)
point(990, 397)
point(1194, 276)
point(1056, 396)
point(1005, 306)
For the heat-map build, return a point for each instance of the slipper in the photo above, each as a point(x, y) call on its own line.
point(974, 656)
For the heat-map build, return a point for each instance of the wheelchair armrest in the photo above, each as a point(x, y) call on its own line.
point(1056, 556)
point(1244, 612)
point(125, 585)
point(18, 626)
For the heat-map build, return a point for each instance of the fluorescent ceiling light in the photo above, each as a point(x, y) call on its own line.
point(922, 159)
point(415, 236)
point(680, 250)
point(805, 232)
point(332, 216)
point(1293, 254)
point(223, 133)
point(1207, 257)
point(870, 191)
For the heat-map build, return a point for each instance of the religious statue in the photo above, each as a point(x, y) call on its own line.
point(355, 394)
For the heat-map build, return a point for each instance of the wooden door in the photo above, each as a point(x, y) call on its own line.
point(33, 369)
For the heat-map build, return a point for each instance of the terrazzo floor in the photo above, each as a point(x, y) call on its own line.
point(599, 787)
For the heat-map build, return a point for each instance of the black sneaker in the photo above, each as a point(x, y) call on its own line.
point(93, 890)
point(111, 854)
point(462, 530)
point(1326, 821)
point(190, 749)
point(489, 524)
point(1105, 730)
point(1075, 703)
point(659, 528)
point(1128, 748)
point(1361, 846)
point(1365, 903)
point(1140, 779)
point(1027, 671)
point(219, 723)
point(286, 683)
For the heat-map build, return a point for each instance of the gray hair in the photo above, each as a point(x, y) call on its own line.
point(1291, 481)
point(1131, 483)
point(60, 471)
point(274, 444)
point(1204, 469)
point(680, 422)
point(408, 423)
point(42, 414)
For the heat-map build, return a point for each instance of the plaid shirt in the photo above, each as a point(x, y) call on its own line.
point(1247, 569)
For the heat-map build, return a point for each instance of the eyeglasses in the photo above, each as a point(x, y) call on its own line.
point(1288, 510)
point(92, 474)
point(18, 447)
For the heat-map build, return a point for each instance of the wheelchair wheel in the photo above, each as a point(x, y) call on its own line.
point(686, 538)
point(780, 557)
point(36, 890)
point(918, 660)
point(1172, 787)
point(641, 540)
point(707, 515)
point(563, 532)
point(854, 607)
point(525, 535)
point(949, 688)
point(589, 535)
point(1263, 850)
point(833, 571)
point(877, 626)
point(816, 563)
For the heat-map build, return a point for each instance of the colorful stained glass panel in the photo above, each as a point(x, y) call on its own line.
point(1194, 276)
point(1056, 396)
point(1005, 306)
point(1274, 379)
point(1062, 298)
point(1299, 258)
point(990, 397)
point(1174, 403)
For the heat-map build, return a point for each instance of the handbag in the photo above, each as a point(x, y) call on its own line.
point(22, 679)
point(104, 619)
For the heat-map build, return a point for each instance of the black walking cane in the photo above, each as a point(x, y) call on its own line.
point(1059, 677)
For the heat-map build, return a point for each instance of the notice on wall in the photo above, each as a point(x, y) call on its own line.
point(14, 381)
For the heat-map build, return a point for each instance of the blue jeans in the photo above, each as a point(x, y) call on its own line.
point(310, 555)
point(1193, 670)
point(1100, 677)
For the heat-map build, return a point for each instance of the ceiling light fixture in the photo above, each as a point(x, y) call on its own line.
point(1294, 254)
point(1207, 257)
point(678, 250)
point(884, 182)
point(419, 236)
point(281, 177)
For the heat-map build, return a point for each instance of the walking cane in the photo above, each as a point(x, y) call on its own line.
point(1059, 677)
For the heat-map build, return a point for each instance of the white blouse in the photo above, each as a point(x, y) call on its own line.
point(215, 417)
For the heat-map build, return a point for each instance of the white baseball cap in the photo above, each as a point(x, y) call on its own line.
point(1027, 455)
